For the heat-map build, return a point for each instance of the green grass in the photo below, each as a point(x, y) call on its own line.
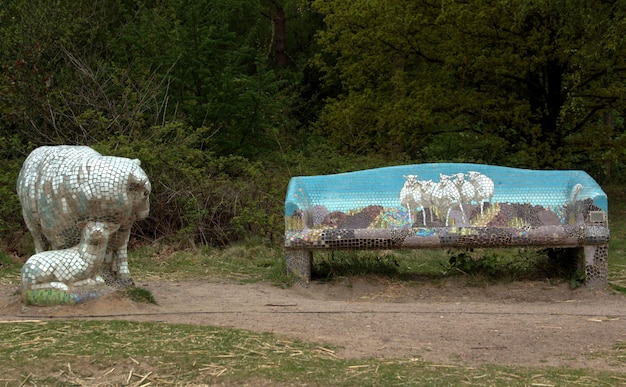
point(477, 266)
point(140, 295)
point(9, 269)
point(59, 353)
point(243, 262)
point(617, 245)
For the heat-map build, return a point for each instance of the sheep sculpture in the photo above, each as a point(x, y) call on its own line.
point(60, 186)
point(74, 267)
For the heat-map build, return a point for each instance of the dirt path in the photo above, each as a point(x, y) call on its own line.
point(523, 323)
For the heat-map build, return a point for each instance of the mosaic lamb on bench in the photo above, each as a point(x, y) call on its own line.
point(447, 206)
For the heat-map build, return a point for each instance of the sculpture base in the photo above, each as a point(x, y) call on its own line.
point(116, 281)
point(47, 297)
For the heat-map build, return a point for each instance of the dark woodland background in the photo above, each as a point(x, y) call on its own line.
point(224, 100)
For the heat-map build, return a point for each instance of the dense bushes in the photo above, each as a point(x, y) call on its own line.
point(11, 224)
point(198, 197)
point(187, 88)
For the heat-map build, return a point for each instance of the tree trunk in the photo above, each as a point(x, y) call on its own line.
point(280, 42)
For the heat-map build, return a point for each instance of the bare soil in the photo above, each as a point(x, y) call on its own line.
point(520, 323)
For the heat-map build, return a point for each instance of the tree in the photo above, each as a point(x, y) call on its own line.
point(184, 85)
point(81, 73)
point(214, 54)
point(519, 83)
point(35, 73)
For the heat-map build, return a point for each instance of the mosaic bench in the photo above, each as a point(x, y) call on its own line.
point(448, 205)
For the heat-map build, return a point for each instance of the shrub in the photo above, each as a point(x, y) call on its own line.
point(197, 197)
point(12, 226)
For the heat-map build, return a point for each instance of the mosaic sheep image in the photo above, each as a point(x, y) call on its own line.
point(461, 199)
point(441, 197)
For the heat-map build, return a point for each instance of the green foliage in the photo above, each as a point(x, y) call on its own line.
point(464, 146)
point(198, 197)
point(10, 268)
point(6, 262)
point(10, 209)
point(509, 264)
point(186, 87)
point(80, 73)
point(11, 223)
point(222, 106)
point(215, 71)
point(52, 54)
point(578, 279)
point(341, 263)
point(140, 295)
point(526, 77)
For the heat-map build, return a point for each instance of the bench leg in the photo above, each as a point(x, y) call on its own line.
point(300, 264)
point(597, 266)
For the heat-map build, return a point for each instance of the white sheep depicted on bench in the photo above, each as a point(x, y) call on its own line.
point(411, 196)
point(426, 189)
point(450, 191)
point(484, 188)
point(443, 195)
point(466, 189)
point(73, 267)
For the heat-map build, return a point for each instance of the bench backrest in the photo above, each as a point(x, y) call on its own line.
point(353, 191)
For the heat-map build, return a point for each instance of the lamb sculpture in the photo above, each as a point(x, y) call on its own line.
point(70, 268)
